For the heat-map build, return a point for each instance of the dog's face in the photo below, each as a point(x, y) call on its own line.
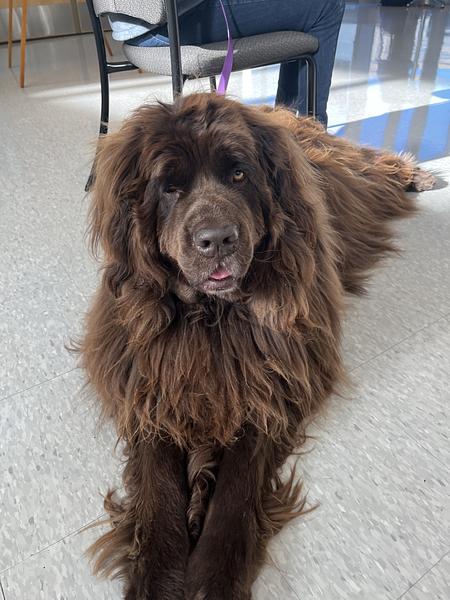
point(212, 197)
point(205, 197)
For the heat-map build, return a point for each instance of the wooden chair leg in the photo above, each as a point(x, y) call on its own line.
point(23, 42)
point(10, 32)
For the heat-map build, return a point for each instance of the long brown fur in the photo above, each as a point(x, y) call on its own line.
point(211, 391)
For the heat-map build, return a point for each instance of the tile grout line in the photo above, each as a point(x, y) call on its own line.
point(413, 333)
point(447, 318)
point(37, 384)
point(71, 533)
point(2, 591)
point(286, 580)
point(439, 460)
point(74, 282)
point(283, 574)
point(422, 576)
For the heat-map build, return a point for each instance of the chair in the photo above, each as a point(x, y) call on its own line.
point(23, 33)
point(192, 62)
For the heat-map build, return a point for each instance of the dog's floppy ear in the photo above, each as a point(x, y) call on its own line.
point(122, 171)
point(283, 280)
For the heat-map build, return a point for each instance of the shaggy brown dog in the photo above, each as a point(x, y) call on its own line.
point(230, 235)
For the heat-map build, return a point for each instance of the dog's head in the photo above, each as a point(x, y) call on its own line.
point(208, 197)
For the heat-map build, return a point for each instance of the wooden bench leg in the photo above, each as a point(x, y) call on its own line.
point(23, 42)
point(10, 32)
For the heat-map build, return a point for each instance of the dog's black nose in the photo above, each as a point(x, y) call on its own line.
point(217, 241)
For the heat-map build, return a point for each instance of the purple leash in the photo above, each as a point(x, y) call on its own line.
point(228, 64)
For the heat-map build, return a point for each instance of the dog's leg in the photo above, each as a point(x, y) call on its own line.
point(221, 565)
point(249, 505)
point(148, 545)
point(334, 153)
point(158, 569)
point(422, 181)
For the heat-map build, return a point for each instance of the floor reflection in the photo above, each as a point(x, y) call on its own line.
point(423, 130)
point(394, 43)
point(393, 72)
point(404, 57)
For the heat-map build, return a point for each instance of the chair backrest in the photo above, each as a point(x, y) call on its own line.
point(151, 11)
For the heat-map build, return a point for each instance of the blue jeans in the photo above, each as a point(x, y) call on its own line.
point(321, 18)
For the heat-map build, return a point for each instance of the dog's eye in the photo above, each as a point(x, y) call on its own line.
point(238, 175)
point(171, 189)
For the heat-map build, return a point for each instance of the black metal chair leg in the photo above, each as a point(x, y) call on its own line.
point(104, 82)
point(90, 179)
point(104, 120)
point(311, 71)
point(175, 54)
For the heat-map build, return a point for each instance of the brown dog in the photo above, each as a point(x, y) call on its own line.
point(230, 235)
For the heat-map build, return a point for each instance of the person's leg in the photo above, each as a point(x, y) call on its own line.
point(321, 18)
point(326, 30)
point(126, 28)
point(151, 39)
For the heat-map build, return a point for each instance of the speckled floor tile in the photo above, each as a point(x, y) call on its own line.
point(379, 470)
point(59, 572)
point(382, 518)
point(386, 316)
point(55, 463)
point(409, 291)
point(35, 328)
point(40, 305)
point(434, 585)
point(272, 583)
point(423, 272)
point(409, 386)
point(26, 260)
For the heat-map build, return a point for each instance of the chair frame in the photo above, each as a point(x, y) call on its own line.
point(178, 79)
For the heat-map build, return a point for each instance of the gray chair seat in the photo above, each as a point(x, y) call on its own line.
point(207, 60)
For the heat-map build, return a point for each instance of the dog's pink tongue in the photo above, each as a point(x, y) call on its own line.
point(220, 273)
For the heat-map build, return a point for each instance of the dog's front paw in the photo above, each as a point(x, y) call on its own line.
point(209, 580)
point(422, 180)
point(218, 591)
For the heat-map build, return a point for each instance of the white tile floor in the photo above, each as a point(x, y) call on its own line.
point(380, 466)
